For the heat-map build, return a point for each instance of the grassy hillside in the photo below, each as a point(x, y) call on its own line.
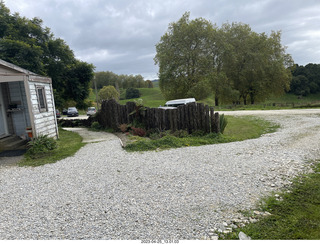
point(152, 97)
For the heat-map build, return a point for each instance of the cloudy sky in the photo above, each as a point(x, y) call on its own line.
point(120, 35)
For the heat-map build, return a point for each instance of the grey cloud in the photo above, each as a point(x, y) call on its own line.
point(120, 36)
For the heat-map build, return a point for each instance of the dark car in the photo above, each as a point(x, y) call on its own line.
point(72, 112)
point(65, 111)
point(58, 115)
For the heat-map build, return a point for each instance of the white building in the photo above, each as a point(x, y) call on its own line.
point(26, 103)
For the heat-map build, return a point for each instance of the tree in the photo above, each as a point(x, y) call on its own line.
point(132, 93)
point(256, 64)
point(149, 83)
point(26, 43)
point(182, 55)
point(109, 92)
point(234, 60)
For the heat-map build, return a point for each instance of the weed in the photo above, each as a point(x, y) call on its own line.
point(40, 146)
point(223, 123)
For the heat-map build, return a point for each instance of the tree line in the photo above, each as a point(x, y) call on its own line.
point(108, 78)
point(26, 43)
point(236, 64)
point(305, 80)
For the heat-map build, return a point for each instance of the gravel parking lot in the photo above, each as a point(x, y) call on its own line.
point(104, 192)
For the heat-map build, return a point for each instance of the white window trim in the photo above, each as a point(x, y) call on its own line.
point(45, 107)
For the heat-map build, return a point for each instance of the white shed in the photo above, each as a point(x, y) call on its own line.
point(26, 103)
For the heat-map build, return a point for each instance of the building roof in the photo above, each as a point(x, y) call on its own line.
point(11, 70)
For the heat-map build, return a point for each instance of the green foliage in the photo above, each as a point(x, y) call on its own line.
point(235, 62)
point(95, 126)
point(26, 43)
point(239, 128)
point(132, 93)
point(305, 80)
point(39, 146)
point(108, 78)
point(108, 92)
point(67, 145)
point(223, 123)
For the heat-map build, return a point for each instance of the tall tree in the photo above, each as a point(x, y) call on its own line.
point(182, 55)
point(233, 60)
point(26, 43)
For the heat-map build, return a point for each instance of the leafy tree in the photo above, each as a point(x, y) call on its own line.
point(306, 79)
point(149, 83)
point(132, 93)
point(108, 92)
point(182, 55)
point(107, 78)
point(255, 63)
point(233, 61)
point(26, 43)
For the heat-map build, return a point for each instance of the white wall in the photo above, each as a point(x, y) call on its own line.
point(45, 122)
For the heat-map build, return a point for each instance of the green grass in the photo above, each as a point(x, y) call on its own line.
point(151, 97)
point(67, 145)
point(296, 217)
point(238, 129)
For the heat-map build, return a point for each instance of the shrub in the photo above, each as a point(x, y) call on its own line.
point(123, 127)
point(40, 146)
point(132, 93)
point(223, 123)
point(138, 131)
point(96, 126)
point(180, 133)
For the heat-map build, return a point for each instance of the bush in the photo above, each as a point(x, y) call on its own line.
point(138, 131)
point(223, 123)
point(132, 93)
point(40, 146)
point(123, 128)
point(96, 126)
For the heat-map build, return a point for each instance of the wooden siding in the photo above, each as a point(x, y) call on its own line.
point(44, 121)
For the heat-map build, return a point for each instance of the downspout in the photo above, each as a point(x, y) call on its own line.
point(30, 107)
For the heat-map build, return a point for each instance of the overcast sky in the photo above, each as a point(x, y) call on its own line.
point(120, 35)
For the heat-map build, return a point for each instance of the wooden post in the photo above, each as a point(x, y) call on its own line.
point(211, 115)
point(216, 123)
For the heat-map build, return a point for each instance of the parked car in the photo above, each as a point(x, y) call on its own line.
point(173, 104)
point(72, 112)
point(65, 111)
point(58, 115)
point(91, 111)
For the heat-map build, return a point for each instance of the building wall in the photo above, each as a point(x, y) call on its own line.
point(45, 122)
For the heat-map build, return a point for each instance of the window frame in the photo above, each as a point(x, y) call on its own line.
point(42, 105)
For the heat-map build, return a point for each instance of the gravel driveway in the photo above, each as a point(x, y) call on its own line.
point(104, 192)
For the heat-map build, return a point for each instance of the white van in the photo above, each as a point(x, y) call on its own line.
point(173, 104)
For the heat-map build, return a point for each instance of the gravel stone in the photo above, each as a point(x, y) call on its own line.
point(103, 192)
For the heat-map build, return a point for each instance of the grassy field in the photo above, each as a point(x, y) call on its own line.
point(152, 97)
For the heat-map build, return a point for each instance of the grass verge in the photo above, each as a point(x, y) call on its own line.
point(67, 145)
point(296, 216)
point(238, 129)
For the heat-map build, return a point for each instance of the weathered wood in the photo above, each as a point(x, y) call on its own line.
point(189, 117)
point(216, 123)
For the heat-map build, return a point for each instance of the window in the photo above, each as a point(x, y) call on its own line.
point(41, 99)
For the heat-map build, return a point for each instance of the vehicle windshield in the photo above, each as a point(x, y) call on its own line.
point(91, 109)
